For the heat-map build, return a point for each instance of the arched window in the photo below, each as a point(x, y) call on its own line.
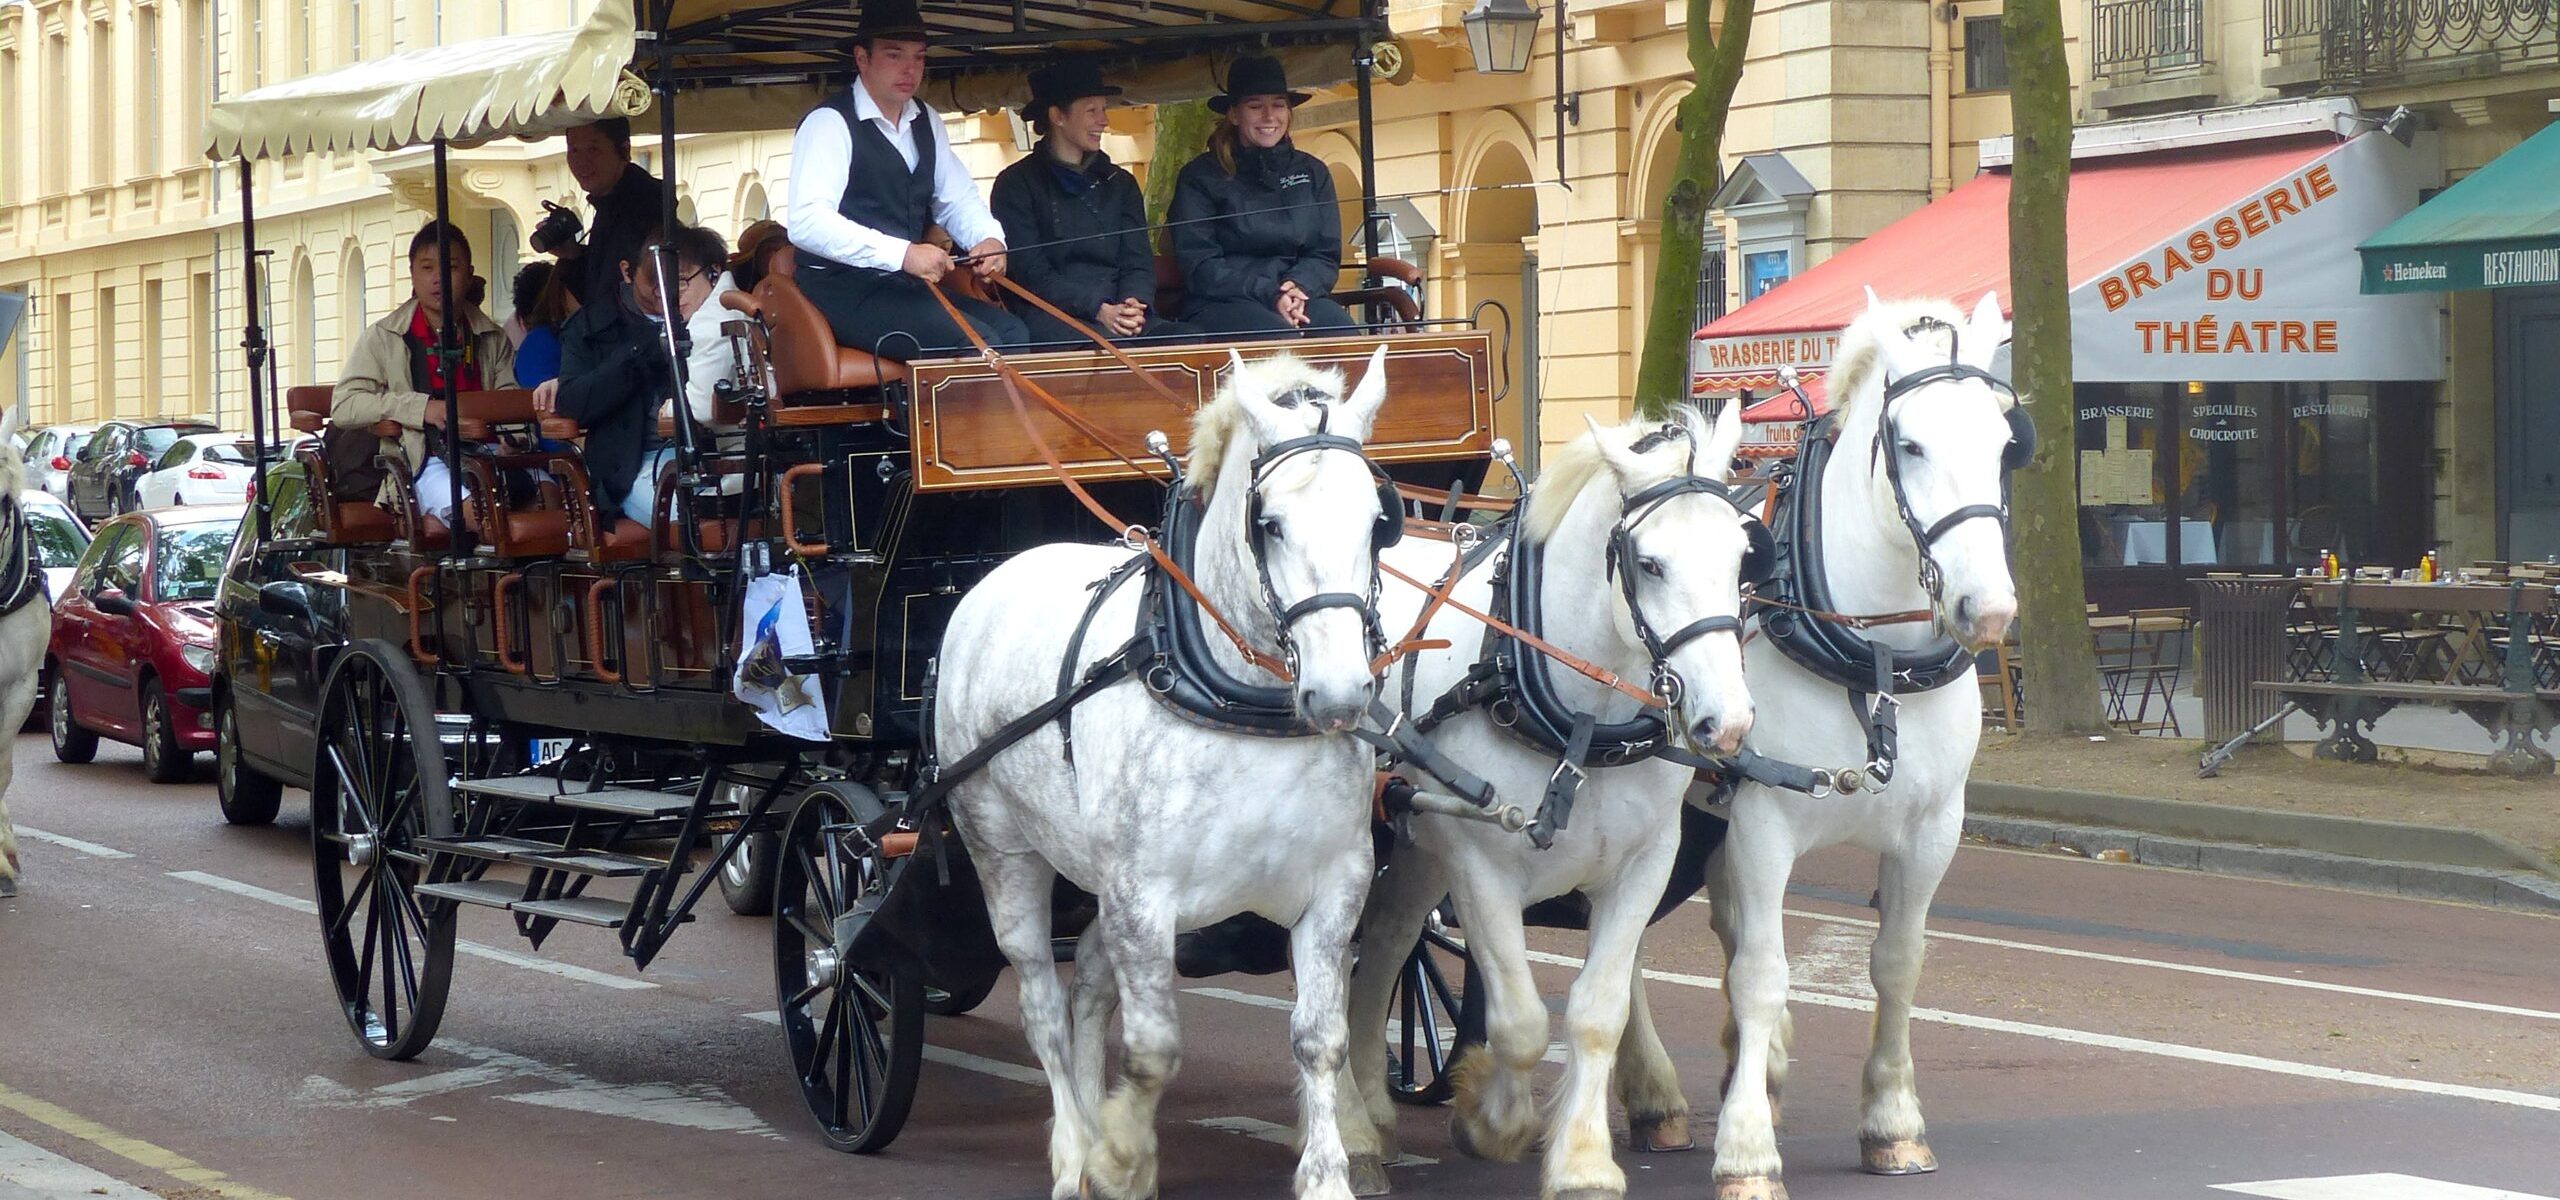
point(303, 360)
point(506, 251)
point(351, 300)
point(752, 206)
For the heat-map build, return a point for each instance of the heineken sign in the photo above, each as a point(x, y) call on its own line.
point(2461, 267)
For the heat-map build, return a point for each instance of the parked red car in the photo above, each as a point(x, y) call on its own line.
point(133, 639)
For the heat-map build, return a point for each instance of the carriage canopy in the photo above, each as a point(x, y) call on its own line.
point(760, 64)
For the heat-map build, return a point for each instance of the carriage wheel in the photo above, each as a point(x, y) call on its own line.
point(378, 784)
point(1432, 1016)
point(856, 1029)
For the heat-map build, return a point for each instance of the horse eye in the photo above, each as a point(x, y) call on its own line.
point(1910, 449)
point(1649, 565)
point(1270, 528)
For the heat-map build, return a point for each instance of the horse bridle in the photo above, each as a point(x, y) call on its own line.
point(1666, 681)
point(1257, 537)
point(1925, 538)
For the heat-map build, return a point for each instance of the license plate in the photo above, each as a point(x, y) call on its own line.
point(547, 751)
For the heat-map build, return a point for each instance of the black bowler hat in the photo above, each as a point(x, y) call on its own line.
point(1060, 84)
point(893, 19)
point(1256, 76)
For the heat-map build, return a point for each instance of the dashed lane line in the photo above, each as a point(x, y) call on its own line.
point(92, 849)
point(131, 1149)
point(2126, 960)
point(1281, 1135)
point(2129, 1045)
point(474, 949)
point(2371, 1187)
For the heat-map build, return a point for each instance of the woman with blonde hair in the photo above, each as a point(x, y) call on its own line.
point(1255, 224)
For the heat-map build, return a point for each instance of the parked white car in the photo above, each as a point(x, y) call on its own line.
point(200, 468)
point(49, 456)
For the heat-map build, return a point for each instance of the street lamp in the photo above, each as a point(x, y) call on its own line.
point(1501, 34)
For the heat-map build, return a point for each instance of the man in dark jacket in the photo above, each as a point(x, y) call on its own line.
point(1254, 218)
point(614, 372)
point(1075, 221)
point(629, 202)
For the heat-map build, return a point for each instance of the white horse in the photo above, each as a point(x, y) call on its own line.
point(1946, 434)
point(1643, 505)
point(1172, 826)
point(24, 634)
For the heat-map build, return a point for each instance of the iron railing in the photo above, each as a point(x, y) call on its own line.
point(1711, 280)
point(2293, 27)
point(2380, 41)
point(2134, 38)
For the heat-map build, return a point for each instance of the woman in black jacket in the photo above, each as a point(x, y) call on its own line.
point(1074, 220)
point(1254, 218)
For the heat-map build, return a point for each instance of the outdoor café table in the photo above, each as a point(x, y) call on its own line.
point(2508, 705)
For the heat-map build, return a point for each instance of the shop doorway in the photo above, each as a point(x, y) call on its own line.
point(2528, 349)
point(1496, 227)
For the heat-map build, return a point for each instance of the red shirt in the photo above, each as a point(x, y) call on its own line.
point(423, 333)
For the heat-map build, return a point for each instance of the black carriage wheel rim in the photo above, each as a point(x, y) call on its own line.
point(842, 1059)
point(385, 944)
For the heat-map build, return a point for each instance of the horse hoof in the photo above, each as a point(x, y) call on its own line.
point(1896, 1156)
point(1463, 1141)
point(1087, 1189)
point(1665, 1134)
point(1368, 1176)
point(1751, 1187)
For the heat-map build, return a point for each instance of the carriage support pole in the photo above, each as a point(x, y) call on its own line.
point(448, 357)
point(253, 338)
point(679, 339)
point(1362, 64)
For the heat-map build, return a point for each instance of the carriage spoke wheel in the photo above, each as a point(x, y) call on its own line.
point(378, 785)
point(1431, 1017)
point(855, 1027)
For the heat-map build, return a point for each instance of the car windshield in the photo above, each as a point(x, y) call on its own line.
point(187, 562)
point(156, 439)
point(59, 540)
point(235, 453)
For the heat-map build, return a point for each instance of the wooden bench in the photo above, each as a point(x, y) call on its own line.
point(2512, 709)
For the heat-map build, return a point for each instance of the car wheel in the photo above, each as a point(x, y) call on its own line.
point(163, 759)
point(248, 798)
point(71, 743)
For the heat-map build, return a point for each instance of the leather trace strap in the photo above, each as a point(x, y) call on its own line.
point(1578, 666)
point(1015, 384)
point(1039, 302)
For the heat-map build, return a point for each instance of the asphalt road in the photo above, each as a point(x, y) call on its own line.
point(2089, 1030)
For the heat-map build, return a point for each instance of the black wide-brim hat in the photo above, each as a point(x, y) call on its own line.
point(1257, 75)
point(897, 20)
point(1060, 84)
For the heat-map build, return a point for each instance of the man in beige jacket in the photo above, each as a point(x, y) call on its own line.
point(392, 375)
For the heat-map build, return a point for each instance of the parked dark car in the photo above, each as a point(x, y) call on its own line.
point(133, 652)
point(279, 634)
point(102, 477)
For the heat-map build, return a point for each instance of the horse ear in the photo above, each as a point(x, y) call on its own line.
point(1371, 393)
point(1234, 359)
point(8, 424)
point(1622, 464)
point(1873, 302)
point(1986, 332)
point(1716, 451)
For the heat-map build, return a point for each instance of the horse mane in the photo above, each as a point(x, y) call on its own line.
point(1223, 418)
point(1860, 359)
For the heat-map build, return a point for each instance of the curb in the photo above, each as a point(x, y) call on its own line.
point(2398, 842)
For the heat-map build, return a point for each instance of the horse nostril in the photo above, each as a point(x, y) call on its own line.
point(1965, 609)
point(1704, 731)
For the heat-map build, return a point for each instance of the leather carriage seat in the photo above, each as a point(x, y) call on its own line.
point(805, 356)
point(307, 410)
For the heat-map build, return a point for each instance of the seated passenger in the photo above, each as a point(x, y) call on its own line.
point(392, 374)
point(540, 313)
point(1254, 219)
point(1076, 219)
point(871, 169)
point(615, 375)
point(753, 259)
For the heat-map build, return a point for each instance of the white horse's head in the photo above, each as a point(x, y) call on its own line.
point(13, 470)
point(1940, 439)
point(1281, 443)
point(1674, 556)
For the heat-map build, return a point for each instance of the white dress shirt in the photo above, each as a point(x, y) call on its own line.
point(821, 159)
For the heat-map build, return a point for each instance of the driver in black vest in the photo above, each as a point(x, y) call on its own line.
point(871, 170)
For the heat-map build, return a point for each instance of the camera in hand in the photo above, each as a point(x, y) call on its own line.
point(558, 227)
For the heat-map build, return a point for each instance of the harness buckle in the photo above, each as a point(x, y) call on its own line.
point(1564, 765)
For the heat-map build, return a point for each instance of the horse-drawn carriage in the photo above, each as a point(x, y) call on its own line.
point(538, 711)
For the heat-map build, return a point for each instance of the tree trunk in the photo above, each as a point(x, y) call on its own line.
point(1182, 132)
point(1663, 369)
point(2053, 632)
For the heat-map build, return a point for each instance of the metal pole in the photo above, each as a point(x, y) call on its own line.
point(1561, 106)
point(679, 340)
point(254, 340)
point(1369, 214)
point(448, 356)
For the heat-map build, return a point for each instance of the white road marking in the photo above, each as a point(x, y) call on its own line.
point(47, 1174)
point(1282, 1135)
point(91, 849)
point(2129, 1045)
point(1556, 1052)
point(2192, 969)
point(2371, 1187)
point(681, 1105)
point(474, 949)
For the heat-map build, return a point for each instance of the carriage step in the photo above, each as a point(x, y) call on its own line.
point(599, 863)
point(492, 849)
point(602, 911)
point(627, 802)
point(491, 893)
